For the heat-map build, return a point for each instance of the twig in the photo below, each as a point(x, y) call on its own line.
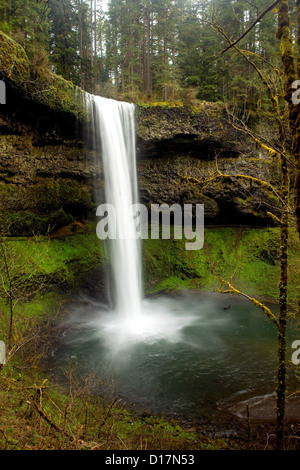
point(48, 420)
point(233, 290)
point(270, 7)
point(248, 423)
point(268, 437)
point(107, 414)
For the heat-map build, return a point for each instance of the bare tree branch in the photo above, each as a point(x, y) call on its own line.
point(264, 308)
point(260, 17)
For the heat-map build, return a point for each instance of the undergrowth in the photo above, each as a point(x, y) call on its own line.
point(38, 415)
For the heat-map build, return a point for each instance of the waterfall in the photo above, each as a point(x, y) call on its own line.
point(131, 318)
point(114, 130)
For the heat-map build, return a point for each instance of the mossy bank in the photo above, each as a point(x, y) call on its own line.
point(70, 261)
point(36, 414)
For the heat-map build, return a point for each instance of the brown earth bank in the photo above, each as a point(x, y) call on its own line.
point(247, 433)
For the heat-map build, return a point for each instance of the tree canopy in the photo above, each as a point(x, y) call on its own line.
point(148, 49)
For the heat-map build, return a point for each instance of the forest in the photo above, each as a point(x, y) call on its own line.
point(149, 50)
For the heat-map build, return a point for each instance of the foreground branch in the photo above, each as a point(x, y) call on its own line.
point(270, 7)
point(233, 290)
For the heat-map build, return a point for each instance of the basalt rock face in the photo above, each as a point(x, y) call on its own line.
point(49, 175)
point(46, 172)
point(199, 157)
point(227, 201)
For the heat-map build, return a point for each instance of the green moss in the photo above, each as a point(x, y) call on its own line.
point(43, 270)
point(39, 305)
point(51, 90)
point(43, 207)
point(247, 257)
point(161, 104)
point(24, 223)
point(59, 262)
point(59, 94)
point(170, 432)
point(53, 194)
point(29, 312)
point(13, 60)
point(83, 421)
point(164, 120)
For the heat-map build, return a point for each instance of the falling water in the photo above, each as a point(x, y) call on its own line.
point(137, 319)
point(113, 131)
point(116, 130)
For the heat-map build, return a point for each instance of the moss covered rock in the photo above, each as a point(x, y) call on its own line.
point(248, 257)
point(48, 89)
point(14, 62)
point(43, 207)
point(205, 129)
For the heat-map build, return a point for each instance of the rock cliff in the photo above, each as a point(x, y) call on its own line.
point(49, 175)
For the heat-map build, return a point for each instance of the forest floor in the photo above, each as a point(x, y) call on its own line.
point(36, 413)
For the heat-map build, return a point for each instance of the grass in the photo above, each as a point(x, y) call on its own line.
point(36, 415)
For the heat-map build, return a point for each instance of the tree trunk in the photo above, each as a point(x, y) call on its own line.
point(297, 131)
point(91, 45)
point(281, 370)
point(82, 81)
point(287, 54)
point(147, 52)
point(95, 46)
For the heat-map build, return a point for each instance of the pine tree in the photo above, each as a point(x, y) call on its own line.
point(27, 22)
point(64, 39)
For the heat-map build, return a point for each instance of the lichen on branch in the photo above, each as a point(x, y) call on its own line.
point(233, 290)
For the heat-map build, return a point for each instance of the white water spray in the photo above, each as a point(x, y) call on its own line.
point(116, 121)
point(136, 319)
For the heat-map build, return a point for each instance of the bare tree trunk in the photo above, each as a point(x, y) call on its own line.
point(297, 132)
point(9, 294)
point(91, 45)
point(283, 33)
point(95, 46)
point(281, 372)
point(165, 88)
point(147, 51)
point(82, 81)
